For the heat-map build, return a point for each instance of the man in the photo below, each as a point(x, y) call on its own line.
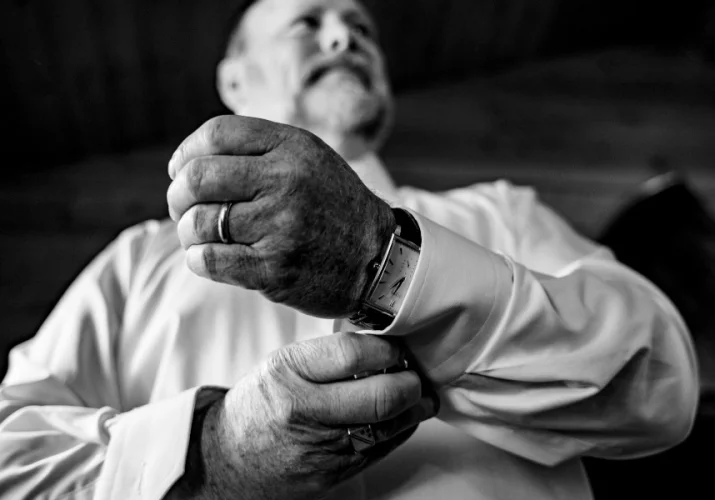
point(149, 381)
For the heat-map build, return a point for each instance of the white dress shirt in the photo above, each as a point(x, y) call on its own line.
point(543, 347)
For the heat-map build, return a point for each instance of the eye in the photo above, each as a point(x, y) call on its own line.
point(363, 30)
point(308, 22)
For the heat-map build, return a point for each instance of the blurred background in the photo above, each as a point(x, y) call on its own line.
point(582, 99)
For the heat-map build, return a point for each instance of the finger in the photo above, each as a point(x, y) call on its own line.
point(233, 264)
point(364, 437)
point(426, 408)
point(369, 400)
point(403, 364)
point(248, 223)
point(340, 356)
point(227, 135)
point(215, 179)
point(389, 435)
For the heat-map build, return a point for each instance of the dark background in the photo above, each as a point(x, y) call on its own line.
point(86, 76)
point(582, 99)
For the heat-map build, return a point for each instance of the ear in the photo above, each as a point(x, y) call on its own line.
point(228, 81)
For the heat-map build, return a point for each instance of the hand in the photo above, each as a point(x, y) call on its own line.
point(305, 227)
point(281, 432)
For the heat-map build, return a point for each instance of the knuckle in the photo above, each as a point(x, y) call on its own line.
point(295, 358)
point(180, 152)
point(194, 172)
point(208, 255)
point(287, 408)
point(260, 275)
point(385, 402)
point(289, 222)
point(271, 269)
point(292, 248)
point(276, 362)
point(290, 357)
point(290, 132)
point(198, 221)
point(392, 398)
point(213, 130)
point(349, 352)
point(305, 137)
point(287, 178)
point(282, 170)
point(272, 387)
point(274, 133)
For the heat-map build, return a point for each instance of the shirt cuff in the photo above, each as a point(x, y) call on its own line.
point(456, 300)
point(147, 448)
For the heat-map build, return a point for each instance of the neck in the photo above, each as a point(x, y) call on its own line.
point(351, 148)
point(374, 175)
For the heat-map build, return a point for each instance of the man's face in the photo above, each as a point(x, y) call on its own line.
point(314, 64)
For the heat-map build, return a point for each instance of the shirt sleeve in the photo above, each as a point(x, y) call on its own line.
point(64, 431)
point(552, 352)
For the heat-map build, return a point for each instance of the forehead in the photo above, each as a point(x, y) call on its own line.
point(264, 15)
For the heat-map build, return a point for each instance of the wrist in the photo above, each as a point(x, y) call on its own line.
point(382, 227)
point(219, 475)
point(389, 276)
point(194, 482)
point(386, 225)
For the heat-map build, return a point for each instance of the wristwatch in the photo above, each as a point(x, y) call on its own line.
point(392, 275)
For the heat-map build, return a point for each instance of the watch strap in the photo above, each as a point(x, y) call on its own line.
point(410, 230)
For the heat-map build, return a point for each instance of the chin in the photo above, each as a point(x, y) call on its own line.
point(346, 111)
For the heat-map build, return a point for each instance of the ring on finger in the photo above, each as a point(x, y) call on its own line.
point(224, 230)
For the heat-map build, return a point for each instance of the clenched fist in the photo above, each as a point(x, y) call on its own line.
point(304, 226)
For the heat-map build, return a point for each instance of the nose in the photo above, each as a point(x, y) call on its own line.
point(336, 36)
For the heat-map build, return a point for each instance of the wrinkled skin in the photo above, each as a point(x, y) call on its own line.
point(305, 226)
point(281, 432)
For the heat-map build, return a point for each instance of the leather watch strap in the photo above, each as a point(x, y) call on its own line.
point(410, 228)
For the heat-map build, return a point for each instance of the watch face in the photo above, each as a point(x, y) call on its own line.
point(392, 285)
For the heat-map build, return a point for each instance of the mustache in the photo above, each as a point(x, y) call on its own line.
point(357, 64)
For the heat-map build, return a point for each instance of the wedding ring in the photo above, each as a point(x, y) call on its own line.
point(224, 231)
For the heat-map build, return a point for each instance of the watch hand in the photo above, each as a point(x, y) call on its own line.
point(397, 285)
